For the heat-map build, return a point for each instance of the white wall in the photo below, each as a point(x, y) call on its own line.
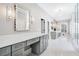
point(7, 26)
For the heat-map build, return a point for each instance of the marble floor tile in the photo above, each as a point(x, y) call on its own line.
point(60, 47)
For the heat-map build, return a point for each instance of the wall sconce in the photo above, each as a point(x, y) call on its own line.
point(32, 19)
point(10, 12)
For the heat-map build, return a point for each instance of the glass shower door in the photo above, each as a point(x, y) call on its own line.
point(77, 24)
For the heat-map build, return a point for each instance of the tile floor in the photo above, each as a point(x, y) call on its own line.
point(60, 47)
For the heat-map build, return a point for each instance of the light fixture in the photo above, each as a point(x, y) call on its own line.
point(59, 9)
point(32, 19)
point(10, 12)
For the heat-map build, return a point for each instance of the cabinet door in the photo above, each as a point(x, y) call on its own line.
point(18, 52)
point(42, 26)
point(17, 46)
point(41, 44)
point(46, 37)
point(5, 50)
point(44, 42)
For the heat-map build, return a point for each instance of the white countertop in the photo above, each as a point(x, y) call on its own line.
point(10, 39)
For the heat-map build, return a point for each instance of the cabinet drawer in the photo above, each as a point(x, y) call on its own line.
point(8, 54)
point(41, 47)
point(17, 46)
point(5, 50)
point(18, 52)
point(27, 52)
point(31, 41)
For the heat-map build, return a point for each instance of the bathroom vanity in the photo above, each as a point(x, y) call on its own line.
point(23, 44)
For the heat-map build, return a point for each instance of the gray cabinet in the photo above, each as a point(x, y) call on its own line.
point(35, 45)
point(53, 35)
point(63, 28)
point(6, 50)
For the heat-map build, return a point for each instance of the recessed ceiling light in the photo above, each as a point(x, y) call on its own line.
point(59, 9)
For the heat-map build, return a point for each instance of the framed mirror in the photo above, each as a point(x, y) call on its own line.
point(22, 19)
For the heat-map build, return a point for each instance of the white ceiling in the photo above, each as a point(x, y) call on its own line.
point(59, 11)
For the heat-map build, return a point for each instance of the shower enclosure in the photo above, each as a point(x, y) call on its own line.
point(75, 26)
point(77, 23)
